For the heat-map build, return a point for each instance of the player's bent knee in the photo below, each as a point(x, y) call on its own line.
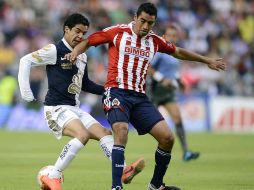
point(97, 131)
point(83, 138)
point(167, 142)
point(77, 132)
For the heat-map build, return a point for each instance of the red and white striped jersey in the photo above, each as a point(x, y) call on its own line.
point(129, 55)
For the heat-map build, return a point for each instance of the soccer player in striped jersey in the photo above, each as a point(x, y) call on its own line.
point(61, 106)
point(131, 48)
point(163, 88)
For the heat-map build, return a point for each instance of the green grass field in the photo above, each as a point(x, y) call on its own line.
point(226, 162)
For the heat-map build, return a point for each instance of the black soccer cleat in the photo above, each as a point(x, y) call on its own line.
point(163, 187)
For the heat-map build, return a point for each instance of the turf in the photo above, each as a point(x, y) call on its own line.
point(226, 162)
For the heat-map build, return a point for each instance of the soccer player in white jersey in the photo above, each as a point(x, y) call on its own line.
point(61, 106)
point(130, 50)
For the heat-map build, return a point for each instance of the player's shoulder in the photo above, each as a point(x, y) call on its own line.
point(118, 27)
point(48, 50)
point(156, 36)
point(49, 47)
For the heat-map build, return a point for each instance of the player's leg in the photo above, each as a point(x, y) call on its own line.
point(174, 111)
point(104, 136)
point(117, 110)
point(165, 139)
point(147, 119)
point(64, 122)
point(120, 130)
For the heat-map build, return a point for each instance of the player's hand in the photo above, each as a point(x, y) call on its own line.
point(27, 95)
point(72, 57)
point(216, 64)
point(169, 83)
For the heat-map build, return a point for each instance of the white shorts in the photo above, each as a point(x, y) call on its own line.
point(58, 116)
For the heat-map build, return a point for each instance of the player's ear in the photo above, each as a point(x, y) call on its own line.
point(66, 29)
point(135, 17)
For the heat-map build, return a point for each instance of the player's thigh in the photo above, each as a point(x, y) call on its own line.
point(75, 129)
point(161, 130)
point(163, 134)
point(58, 117)
point(116, 107)
point(97, 131)
point(144, 116)
point(174, 111)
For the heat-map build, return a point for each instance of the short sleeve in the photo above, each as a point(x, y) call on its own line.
point(165, 47)
point(105, 36)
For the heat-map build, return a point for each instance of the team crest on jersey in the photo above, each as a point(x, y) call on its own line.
point(128, 38)
point(66, 65)
point(115, 102)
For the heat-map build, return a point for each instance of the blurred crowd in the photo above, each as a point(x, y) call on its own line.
point(216, 28)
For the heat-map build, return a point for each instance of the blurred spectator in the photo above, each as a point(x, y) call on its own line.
point(8, 87)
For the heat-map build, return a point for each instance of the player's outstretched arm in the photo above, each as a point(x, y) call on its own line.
point(213, 63)
point(80, 48)
point(23, 80)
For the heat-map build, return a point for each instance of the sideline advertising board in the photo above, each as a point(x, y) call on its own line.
point(232, 114)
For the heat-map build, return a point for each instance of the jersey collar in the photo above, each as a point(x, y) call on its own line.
point(67, 45)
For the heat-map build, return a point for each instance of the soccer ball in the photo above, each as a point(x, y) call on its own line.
point(44, 171)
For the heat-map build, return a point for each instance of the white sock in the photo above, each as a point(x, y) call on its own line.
point(106, 144)
point(67, 155)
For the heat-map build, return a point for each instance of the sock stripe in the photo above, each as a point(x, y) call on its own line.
point(161, 152)
point(120, 148)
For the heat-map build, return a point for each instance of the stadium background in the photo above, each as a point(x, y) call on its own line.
point(218, 107)
point(218, 28)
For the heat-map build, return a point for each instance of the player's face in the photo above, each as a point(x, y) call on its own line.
point(75, 35)
point(143, 24)
point(171, 35)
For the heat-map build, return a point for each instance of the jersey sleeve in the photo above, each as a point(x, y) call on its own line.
point(44, 56)
point(165, 47)
point(105, 36)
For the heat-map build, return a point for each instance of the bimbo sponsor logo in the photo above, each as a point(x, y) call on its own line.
point(137, 51)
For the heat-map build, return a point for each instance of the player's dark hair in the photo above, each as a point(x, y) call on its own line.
point(74, 19)
point(148, 8)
